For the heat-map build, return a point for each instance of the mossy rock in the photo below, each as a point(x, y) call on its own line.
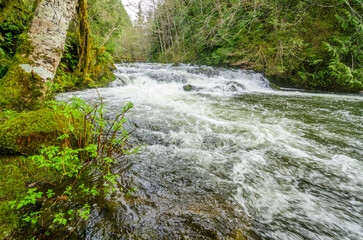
point(112, 67)
point(28, 131)
point(12, 184)
point(274, 86)
point(14, 179)
point(103, 75)
point(4, 65)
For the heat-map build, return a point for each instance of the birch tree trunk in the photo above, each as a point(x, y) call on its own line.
point(48, 31)
point(37, 60)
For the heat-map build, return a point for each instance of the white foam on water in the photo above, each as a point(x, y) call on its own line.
point(292, 160)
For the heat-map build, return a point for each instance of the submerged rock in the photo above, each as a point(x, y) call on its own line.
point(232, 86)
point(189, 88)
point(120, 81)
point(235, 87)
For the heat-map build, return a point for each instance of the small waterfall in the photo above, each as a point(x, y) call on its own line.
point(225, 156)
point(203, 79)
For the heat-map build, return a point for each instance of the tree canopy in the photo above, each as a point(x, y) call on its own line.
point(309, 44)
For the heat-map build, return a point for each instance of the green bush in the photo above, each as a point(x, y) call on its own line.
point(72, 165)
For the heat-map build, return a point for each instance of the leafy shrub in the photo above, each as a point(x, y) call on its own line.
point(70, 167)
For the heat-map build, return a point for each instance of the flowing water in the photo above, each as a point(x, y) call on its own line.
point(227, 157)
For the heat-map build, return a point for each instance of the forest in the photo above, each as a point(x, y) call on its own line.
point(57, 158)
point(305, 44)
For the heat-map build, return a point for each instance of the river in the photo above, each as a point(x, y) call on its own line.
point(227, 157)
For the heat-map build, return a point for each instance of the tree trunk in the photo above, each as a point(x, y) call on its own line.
point(48, 31)
point(85, 41)
point(37, 59)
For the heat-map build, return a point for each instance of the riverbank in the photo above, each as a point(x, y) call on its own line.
point(301, 44)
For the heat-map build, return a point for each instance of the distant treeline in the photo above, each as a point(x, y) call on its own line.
point(309, 44)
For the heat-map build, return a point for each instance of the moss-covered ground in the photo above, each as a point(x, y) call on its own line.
point(29, 130)
point(15, 178)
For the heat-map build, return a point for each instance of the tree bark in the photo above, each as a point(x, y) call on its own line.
point(37, 59)
point(48, 31)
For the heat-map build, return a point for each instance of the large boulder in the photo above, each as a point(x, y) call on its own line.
point(28, 131)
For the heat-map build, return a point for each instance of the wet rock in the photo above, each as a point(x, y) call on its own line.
point(157, 212)
point(112, 67)
point(235, 87)
point(232, 86)
point(116, 83)
point(120, 81)
point(189, 88)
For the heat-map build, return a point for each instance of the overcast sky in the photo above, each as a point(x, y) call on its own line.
point(131, 7)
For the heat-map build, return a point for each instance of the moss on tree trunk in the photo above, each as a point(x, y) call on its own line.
point(85, 41)
point(36, 61)
point(20, 89)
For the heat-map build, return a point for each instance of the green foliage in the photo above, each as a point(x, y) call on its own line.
point(315, 44)
point(7, 114)
point(59, 218)
point(3, 68)
point(71, 166)
point(70, 55)
point(108, 19)
point(83, 64)
point(30, 197)
point(71, 74)
point(14, 20)
point(20, 89)
point(14, 178)
point(15, 24)
point(84, 212)
point(70, 153)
